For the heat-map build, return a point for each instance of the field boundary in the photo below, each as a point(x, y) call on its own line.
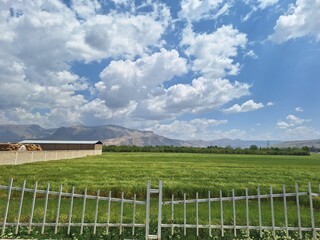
point(16, 157)
point(170, 222)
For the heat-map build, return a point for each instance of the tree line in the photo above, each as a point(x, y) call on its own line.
point(253, 149)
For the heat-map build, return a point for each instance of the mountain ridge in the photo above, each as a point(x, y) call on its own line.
point(118, 135)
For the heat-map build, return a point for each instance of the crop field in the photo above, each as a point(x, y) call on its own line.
point(180, 173)
point(190, 173)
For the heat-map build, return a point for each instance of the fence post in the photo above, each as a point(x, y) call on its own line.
point(160, 209)
point(147, 210)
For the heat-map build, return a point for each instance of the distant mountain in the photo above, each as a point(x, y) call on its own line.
point(16, 133)
point(308, 143)
point(113, 135)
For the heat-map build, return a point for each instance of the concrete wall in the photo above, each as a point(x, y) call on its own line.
point(14, 158)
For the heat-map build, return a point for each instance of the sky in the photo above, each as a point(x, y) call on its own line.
point(186, 69)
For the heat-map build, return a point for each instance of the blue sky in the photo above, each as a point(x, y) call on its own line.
point(186, 69)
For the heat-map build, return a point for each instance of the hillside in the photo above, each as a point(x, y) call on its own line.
point(308, 143)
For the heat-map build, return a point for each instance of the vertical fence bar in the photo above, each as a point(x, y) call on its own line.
point(148, 209)
point(32, 206)
point(272, 213)
point(247, 213)
point(96, 213)
point(7, 207)
point(172, 214)
point(259, 210)
point(109, 209)
point(298, 210)
point(234, 214)
point(58, 211)
point(197, 214)
point(70, 212)
point(285, 210)
point(121, 213)
point(221, 214)
point(184, 214)
point(83, 211)
point(209, 211)
point(45, 209)
point(160, 210)
point(311, 212)
point(20, 206)
point(134, 213)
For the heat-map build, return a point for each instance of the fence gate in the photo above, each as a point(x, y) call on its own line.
point(149, 192)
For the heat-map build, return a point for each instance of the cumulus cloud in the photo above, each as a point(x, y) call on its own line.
point(248, 106)
point(214, 52)
point(40, 41)
point(262, 4)
point(201, 95)
point(300, 20)
point(291, 121)
point(298, 109)
point(195, 10)
point(140, 79)
point(193, 129)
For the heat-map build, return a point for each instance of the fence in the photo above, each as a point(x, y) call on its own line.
point(15, 158)
point(161, 224)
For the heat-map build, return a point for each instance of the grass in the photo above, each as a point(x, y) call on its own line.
point(190, 173)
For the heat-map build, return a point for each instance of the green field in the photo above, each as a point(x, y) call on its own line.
point(180, 173)
point(190, 173)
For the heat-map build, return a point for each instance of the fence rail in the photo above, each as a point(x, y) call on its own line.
point(172, 219)
point(15, 157)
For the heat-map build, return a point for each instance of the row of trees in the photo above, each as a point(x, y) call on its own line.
point(253, 149)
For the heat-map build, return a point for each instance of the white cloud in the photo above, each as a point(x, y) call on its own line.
point(195, 10)
point(193, 129)
point(269, 104)
point(292, 121)
point(248, 106)
point(125, 81)
point(40, 40)
point(214, 52)
point(299, 109)
point(200, 96)
point(300, 20)
point(266, 3)
point(300, 133)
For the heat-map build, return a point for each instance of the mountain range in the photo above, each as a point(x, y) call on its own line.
point(117, 135)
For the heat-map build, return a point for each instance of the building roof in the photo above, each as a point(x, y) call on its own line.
point(59, 142)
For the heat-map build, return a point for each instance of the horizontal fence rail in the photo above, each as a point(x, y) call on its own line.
point(16, 157)
point(210, 214)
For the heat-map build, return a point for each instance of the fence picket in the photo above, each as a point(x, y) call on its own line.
point(209, 210)
point(7, 207)
point(109, 209)
point(172, 214)
point(20, 206)
point(134, 213)
point(259, 212)
point(160, 209)
point(197, 214)
point(83, 210)
point(272, 213)
point(247, 213)
point(45, 209)
point(121, 213)
point(285, 210)
point(221, 214)
point(32, 206)
point(96, 213)
point(184, 214)
point(71, 208)
point(298, 210)
point(58, 211)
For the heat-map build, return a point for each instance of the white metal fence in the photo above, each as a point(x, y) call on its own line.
point(171, 223)
point(15, 157)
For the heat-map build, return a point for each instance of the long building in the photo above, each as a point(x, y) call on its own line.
point(54, 145)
